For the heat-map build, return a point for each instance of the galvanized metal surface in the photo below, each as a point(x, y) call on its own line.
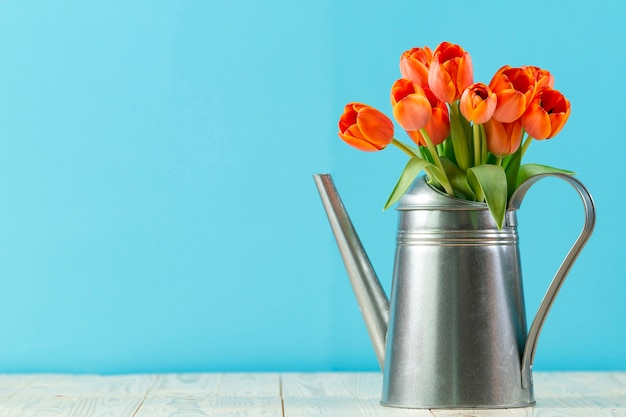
point(456, 335)
point(566, 265)
point(369, 292)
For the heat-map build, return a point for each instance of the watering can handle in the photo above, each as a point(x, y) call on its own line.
point(548, 299)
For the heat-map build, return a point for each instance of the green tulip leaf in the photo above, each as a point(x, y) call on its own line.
point(511, 169)
point(458, 179)
point(459, 138)
point(489, 183)
point(530, 170)
point(436, 176)
point(410, 172)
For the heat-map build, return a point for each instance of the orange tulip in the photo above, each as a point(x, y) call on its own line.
point(514, 88)
point(414, 65)
point(546, 114)
point(450, 72)
point(543, 78)
point(438, 127)
point(411, 107)
point(478, 103)
point(365, 128)
point(503, 138)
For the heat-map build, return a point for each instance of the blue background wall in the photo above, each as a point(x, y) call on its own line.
point(157, 211)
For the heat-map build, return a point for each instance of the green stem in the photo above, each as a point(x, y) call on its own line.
point(498, 161)
point(433, 150)
point(526, 144)
point(484, 156)
point(404, 148)
point(476, 133)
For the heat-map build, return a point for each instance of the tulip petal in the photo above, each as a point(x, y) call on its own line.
point(510, 106)
point(347, 119)
point(438, 127)
point(496, 137)
point(503, 138)
point(412, 112)
point(357, 142)
point(414, 65)
point(546, 114)
point(484, 111)
point(374, 125)
point(365, 128)
point(415, 72)
point(450, 72)
point(498, 82)
point(557, 121)
point(478, 103)
point(441, 83)
point(537, 123)
point(465, 73)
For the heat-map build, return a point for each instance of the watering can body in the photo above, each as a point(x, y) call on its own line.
point(457, 324)
point(453, 333)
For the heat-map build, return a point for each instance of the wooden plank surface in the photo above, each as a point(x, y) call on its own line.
point(337, 394)
point(211, 406)
point(217, 384)
point(332, 384)
point(11, 384)
point(558, 394)
point(571, 394)
point(70, 407)
point(224, 394)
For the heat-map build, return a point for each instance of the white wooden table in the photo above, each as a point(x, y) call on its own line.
point(276, 395)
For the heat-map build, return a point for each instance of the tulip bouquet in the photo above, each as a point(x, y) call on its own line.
point(470, 137)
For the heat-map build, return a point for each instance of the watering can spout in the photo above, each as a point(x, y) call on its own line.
point(370, 295)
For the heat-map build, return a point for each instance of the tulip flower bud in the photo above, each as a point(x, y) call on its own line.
point(411, 107)
point(514, 88)
point(450, 72)
point(546, 115)
point(438, 126)
point(414, 65)
point(365, 128)
point(543, 78)
point(478, 103)
point(503, 138)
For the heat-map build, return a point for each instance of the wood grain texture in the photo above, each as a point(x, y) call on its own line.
point(474, 413)
point(344, 407)
point(250, 385)
point(186, 385)
point(332, 384)
point(211, 406)
point(585, 394)
point(69, 407)
point(60, 385)
point(11, 384)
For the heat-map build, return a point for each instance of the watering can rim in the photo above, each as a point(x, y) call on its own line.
point(423, 196)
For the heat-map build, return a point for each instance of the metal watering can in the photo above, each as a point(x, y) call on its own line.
point(453, 334)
